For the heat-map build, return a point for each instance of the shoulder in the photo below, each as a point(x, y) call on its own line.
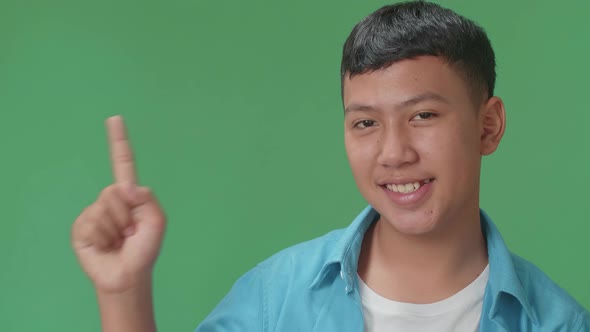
point(550, 301)
point(539, 285)
point(256, 299)
point(306, 258)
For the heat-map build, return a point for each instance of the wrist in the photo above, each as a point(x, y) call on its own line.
point(122, 284)
point(127, 310)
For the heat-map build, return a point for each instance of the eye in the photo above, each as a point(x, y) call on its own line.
point(364, 124)
point(424, 116)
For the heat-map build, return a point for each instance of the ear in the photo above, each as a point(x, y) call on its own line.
point(493, 124)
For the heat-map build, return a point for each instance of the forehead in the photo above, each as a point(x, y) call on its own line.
point(405, 80)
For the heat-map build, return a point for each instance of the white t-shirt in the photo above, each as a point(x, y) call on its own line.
point(460, 312)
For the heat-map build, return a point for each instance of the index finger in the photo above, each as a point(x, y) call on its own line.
point(121, 155)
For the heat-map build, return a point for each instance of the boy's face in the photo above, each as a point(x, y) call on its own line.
point(415, 125)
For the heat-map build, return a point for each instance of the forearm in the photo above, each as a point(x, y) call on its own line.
point(129, 311)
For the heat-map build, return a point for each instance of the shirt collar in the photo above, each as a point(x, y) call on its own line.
point(344, 253)
point(503, 281)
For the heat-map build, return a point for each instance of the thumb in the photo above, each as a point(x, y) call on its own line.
point(130, 192)
point(137, 196)
point(142, 196)
point(147, 208)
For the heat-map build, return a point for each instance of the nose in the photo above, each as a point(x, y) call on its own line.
point(396, 149)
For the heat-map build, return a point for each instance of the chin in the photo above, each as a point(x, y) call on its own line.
point(415, 223)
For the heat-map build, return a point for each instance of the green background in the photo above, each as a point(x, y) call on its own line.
point(234, 111)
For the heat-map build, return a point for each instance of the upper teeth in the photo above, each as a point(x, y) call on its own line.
point(405, 188)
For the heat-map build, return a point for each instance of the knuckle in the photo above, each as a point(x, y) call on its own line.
point(123, 155)
point(83, 213)
point(107, 191)
point(99, 211)
point(86, 214)
point(92, 228)
point(111, 194)
point(93, 215)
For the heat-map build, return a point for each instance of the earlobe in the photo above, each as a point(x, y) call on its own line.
point(493, 124)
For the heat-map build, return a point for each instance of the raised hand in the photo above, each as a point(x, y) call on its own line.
point(118, 237)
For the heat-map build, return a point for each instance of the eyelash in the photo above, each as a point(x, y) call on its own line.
point(430, 116)
point(363, 124)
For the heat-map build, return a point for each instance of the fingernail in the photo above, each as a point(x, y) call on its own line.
point(129, 231)
point(131, 191)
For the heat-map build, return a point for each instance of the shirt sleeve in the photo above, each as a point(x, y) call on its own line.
point(583, 324)
point(241, 309)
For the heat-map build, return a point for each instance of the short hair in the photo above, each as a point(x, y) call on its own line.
point(411, 29)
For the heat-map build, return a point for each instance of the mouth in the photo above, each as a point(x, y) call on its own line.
point(406, 188)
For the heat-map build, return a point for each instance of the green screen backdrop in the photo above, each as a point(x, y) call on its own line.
point(234, 112)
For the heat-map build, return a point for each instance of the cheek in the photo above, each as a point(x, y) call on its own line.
point(450, 149)
point(461, 162)
point(359, 152)
point(467, 138)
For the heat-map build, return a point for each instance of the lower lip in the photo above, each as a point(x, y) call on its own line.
point(412, 198)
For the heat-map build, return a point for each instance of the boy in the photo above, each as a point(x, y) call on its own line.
point(419, 113)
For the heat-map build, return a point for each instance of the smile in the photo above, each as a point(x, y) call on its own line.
point(406, 188)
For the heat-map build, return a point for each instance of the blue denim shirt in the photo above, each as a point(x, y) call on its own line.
point(313, 286)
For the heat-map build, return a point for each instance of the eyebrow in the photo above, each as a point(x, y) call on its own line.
point(427, 96)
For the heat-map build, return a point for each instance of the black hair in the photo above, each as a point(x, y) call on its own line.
point(411, 29)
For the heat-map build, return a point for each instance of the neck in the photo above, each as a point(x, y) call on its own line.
point(423, 268)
